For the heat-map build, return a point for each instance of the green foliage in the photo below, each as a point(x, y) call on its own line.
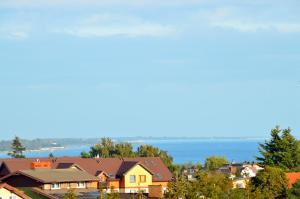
point(84, 154)
point(294, 192)
point(214, 185)
point(17, 148)
point(270, 183)
point(113, 194)
point(123, 150)
point(179, 188)
point(107, 148)
point(213, 163)
point(282, 150)
point(70, 194)
point(51, 155)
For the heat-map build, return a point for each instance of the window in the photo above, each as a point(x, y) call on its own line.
point(55, 186)
point(80, 184)
point(132, 179)
point(142, 178)
point(13, 196)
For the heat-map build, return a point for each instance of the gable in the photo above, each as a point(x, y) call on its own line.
point(138, 170)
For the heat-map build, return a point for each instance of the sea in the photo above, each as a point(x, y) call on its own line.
point(182, 150)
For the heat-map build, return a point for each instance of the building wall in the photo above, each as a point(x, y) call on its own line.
point(5, 194)
point(137, 171)
point(67, 185)
point(114, 183)
point(163, 184)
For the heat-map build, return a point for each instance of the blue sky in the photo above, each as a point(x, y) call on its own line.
point(93, 68)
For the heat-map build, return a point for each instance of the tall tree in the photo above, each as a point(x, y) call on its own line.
point(213, 163)
point(103, 149)
point(123, 150)
point(282, 150)
point(17, 148)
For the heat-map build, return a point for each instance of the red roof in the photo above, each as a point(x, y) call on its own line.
point(293, 177)
point(111, 166)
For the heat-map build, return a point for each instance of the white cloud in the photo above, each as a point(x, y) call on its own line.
point(107, 25)
point(256, 26)
point(12, 31)
point(137, 30)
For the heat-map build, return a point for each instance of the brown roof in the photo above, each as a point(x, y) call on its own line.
point(113, 167)
point(14, 190)
point(45, 175)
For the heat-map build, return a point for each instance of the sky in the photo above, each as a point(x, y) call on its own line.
point(194, 68)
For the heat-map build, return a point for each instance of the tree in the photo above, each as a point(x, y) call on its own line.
point(214, 185)
point(213, 163)
point(294, 192)
point(270, 183)
point(151, 151)
point(282, 150)
point(123, 150)
point(84, 154)
point(103, 149)
point(177, 188)
point(17, 148)
point(51, 155)
point(70, 194)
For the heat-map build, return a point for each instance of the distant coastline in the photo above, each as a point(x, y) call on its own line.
point(50, 144)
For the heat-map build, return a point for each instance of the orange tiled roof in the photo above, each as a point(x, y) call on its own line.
point(293, 177)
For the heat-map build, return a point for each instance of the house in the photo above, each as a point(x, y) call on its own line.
point(9, 192)
point(292, 177)
point(125, 175)
point(52, 179)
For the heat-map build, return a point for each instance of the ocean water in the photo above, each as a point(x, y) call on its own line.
point(182, 151)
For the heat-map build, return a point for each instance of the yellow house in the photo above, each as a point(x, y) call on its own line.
point(136, 179)
point(9, 192)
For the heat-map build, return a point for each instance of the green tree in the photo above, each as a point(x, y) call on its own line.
point(177, 188)
point(70, 194)
point(270, 183)
point(51, 155)
point(17, 148)
point(282, 150)
point(103, 149)
point(294, 192)
point(214, 185)
point(213, 163)
point(84, 154)
point(151, 151)
point(123, 150)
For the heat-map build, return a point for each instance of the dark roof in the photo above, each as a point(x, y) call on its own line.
point(14, 190)
point(111, 166)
